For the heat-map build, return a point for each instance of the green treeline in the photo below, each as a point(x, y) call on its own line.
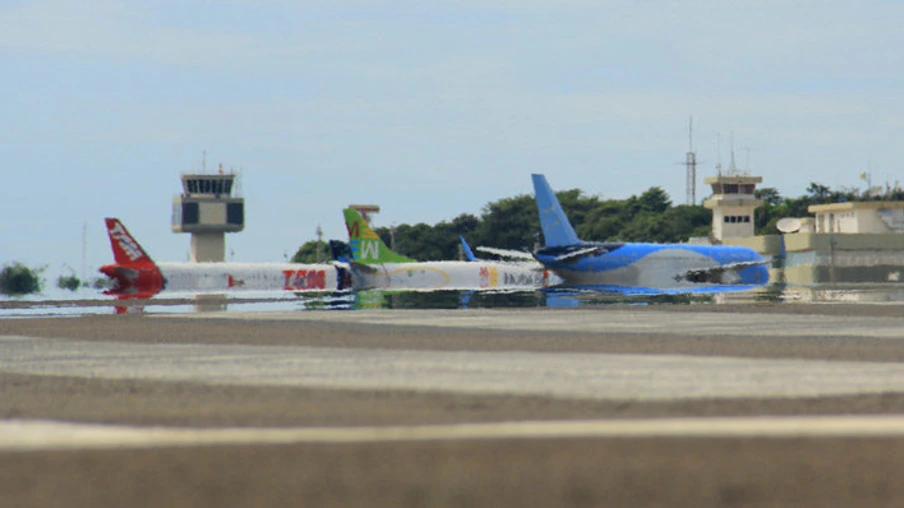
point(512, 223)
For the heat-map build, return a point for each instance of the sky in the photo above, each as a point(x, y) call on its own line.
point(429, 109)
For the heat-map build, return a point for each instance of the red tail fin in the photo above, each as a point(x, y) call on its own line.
point(126, 250)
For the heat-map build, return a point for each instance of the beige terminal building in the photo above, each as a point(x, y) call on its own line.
point(851, 242)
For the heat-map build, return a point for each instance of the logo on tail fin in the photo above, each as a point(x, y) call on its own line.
point(370, 250)
point(365, 244)
point(133, 273)
point(121, 238)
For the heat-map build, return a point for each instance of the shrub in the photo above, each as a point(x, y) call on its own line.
point(70, 282)
point(18, 279)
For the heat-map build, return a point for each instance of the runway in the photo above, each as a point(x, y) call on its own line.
point(819, 390)
point(512, 373)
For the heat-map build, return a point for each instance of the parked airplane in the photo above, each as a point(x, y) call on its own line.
point(375, 266)
point(638, 266)
point(135, 275)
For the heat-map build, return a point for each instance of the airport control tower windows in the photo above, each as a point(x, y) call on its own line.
point(190, 213)
point(235, 213)
point(217, 186)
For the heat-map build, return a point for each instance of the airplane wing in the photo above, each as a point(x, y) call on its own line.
point(506, 253)
point(715, 273)
point(126, 272)
point(575, 255)
point(364, 268)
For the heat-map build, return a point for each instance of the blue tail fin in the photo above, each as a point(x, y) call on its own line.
point(556, 228)
point(469, 254)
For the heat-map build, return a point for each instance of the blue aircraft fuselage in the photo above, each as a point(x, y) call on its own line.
point(655, 265)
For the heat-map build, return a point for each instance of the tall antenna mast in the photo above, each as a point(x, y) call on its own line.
point(733, 169)
point(691, 162)
point(719, 151)
point(319, 232)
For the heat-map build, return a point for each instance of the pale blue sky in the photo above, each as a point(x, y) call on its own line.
point(430, 109)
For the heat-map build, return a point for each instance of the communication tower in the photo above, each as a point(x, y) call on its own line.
point(207, 210)
point(691, 163)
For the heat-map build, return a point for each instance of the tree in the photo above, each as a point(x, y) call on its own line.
point(655, 200)
point(818, 193)
point(17, 279)
point(765, 216)
point(769, 195)
point(313, 252)
point(464, 223)
point(604, 222)
point(510, 223)
point(70, 282)
point(686, 221)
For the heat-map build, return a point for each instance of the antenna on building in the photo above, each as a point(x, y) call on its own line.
point(719, 151)
point(691, 162)
point(204, 161)
point(732, 169)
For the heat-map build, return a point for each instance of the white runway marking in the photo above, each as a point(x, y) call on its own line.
point(560, 375)
point(25, 435)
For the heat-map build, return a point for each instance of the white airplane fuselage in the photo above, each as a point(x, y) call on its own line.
point(453, 275)
point(251, 276)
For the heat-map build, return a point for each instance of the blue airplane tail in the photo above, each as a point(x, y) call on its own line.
point(469, 254)
point(557, 229)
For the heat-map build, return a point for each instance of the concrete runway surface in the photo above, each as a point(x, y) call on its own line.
point(737, 405)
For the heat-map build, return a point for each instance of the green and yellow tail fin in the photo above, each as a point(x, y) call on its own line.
point(365, 245)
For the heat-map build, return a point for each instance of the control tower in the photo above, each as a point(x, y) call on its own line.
point(207, 210)
point(733, 203)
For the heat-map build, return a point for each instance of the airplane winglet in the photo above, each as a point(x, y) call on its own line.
point(557, 229)
point(469, 254)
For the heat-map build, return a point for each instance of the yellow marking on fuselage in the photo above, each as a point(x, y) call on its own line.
point(430, 268)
